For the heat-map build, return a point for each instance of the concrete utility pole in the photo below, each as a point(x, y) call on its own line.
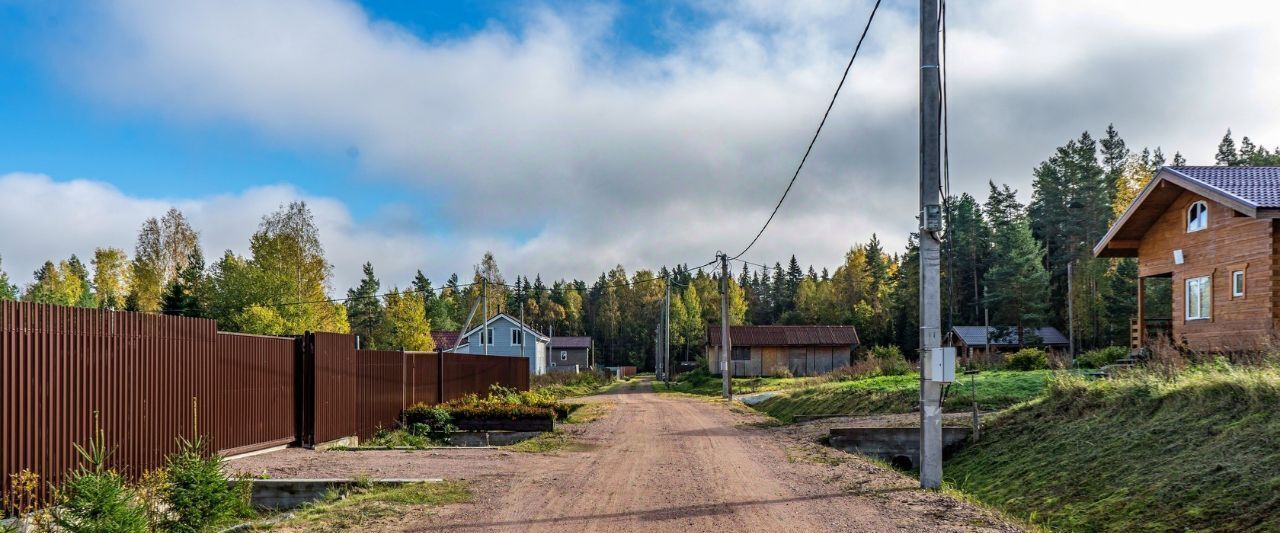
point(666, 332)
point(484, 321)
point(930, 227)
point(724, 327)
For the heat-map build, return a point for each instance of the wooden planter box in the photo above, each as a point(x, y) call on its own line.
point(506, 424)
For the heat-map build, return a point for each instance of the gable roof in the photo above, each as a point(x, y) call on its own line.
point(1251, 191)
point(785, 335)
point(445, 339)
point(977, 335)
point(510, 319)
point(570, 342)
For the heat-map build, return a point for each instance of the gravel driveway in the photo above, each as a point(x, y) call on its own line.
point(658, 462)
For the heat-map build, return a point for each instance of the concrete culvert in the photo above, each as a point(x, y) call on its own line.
point(901, 462)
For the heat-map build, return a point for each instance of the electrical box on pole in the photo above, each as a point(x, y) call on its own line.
point(940, 365)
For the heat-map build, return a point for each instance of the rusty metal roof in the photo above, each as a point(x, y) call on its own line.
point(786, 335)
point(445, 339)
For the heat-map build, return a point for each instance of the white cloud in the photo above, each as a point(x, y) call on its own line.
point(651, 159)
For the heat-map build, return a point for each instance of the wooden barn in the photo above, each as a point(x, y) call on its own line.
point(767, 350)
point(1207, 240)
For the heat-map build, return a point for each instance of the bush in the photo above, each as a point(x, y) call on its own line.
point(95, 498)
point(432, 422)
point(498, 412)
point(197, 492)
point(1028, 359)
point(782, 372)
point(1101, 357)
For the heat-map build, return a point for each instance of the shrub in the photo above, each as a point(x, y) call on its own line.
point(490, 411)
point(882, 353)
point(1028, 359)
point(198, 494)
point(95, 498)
point(1101, 357)
point(433, 422)
point(782, 372)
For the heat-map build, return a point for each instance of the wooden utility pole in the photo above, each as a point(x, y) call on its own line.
point(724, 327)
point(1071, 316)
point(930, 246)
point(666, 332)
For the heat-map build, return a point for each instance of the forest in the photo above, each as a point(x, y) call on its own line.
point(1000, 256)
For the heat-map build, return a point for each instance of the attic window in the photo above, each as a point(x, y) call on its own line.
point(1197, 217)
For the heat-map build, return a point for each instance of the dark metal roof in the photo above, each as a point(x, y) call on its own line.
point(1250, 191)
point(1259, 186)
point(570, 342)
point(977, 335)
point(786, 335)
point(445, 339)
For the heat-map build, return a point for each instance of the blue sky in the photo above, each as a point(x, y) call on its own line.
point(570, 136)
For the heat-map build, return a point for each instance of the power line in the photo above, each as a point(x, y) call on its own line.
point(823, 122)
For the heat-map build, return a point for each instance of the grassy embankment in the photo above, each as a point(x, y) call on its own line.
point(875, 395)
point(1196, 452)
point(900, 394)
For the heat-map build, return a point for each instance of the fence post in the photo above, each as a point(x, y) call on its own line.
point(404, 379)
point(440, 374)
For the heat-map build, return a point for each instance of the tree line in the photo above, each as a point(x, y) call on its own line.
point(999, 257)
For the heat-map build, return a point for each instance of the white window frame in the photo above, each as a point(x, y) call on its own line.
point(1237, 284)
point(564, 355)
point(1202, 221)
point(486, 336)
point(1203, 308)
point(514, 341)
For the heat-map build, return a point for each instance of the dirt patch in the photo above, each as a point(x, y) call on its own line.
point(660, 462)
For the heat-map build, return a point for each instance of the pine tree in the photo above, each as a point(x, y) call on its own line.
point(184, 294)
point(1157, 159)
point(1002, 207)
point(1227, 155)
point(1017, 284)
point(364, 309)
point(1115, 158)
point(1178, 160)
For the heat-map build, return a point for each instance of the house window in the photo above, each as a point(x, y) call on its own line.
point(741, 353)
point(1197, 217)
point(1199, 298)
point(486, 336)
point(564, 356)
point(1237, 283)
point(517, 337)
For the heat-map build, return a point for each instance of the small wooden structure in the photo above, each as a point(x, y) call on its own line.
point(768, 350)
point(1209, 239)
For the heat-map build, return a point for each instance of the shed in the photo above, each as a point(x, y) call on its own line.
point(767, 350)
point(972, 340)
point(569, 353)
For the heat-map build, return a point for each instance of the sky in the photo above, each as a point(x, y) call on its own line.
point(569, 137)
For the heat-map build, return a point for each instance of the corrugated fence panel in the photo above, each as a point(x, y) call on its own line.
point(382, 390)
point(143, 379)
point(335, 386)
point(465, 374)
point(424, 378)
point(255, 374)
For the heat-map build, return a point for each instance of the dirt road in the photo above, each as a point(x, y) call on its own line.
point(662, 462)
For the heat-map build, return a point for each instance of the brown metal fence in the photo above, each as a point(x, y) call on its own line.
point(143, 379)
point(146, 380)
point(465, 374)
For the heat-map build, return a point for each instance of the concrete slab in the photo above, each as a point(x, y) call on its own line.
point(898, 446)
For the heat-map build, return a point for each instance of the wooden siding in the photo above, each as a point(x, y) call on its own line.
point(1230, 242)
point(768, 360)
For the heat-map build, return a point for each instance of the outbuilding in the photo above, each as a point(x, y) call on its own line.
point(769, 350)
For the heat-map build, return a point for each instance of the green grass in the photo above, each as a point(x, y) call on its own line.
point(899, 394)
point(365, 508)
point(714, 386)
point(1198, 452)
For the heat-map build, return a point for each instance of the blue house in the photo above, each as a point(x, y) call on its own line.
point(506, 335)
